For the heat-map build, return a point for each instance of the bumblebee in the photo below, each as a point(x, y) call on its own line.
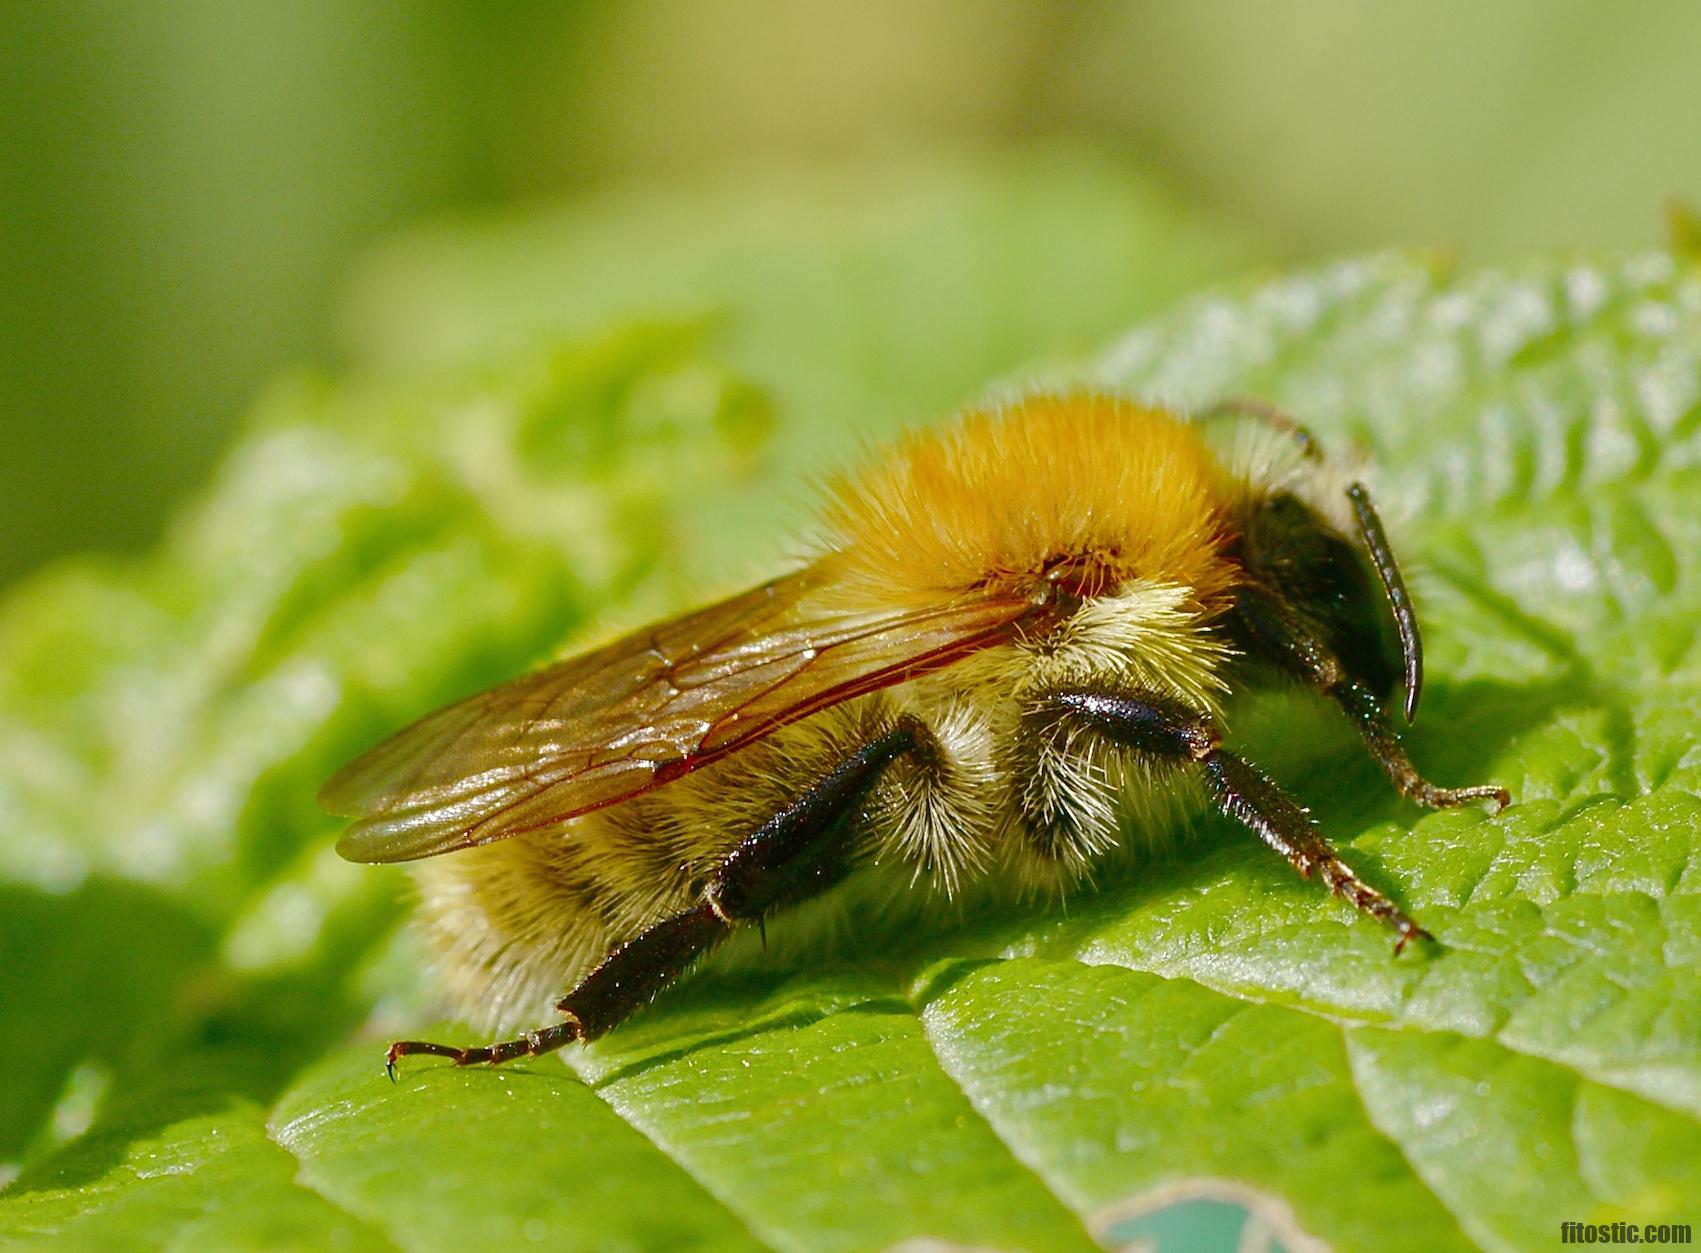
point(1013, 647)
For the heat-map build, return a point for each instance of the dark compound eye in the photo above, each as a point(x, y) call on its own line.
point(1327, 581)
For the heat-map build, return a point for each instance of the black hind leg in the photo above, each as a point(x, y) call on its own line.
point(800, 852)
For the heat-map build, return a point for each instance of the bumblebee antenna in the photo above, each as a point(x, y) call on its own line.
point(1272, 416)
point(1405, 617)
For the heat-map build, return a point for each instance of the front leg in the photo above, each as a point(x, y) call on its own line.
point(1267, 628)
point(800, 852)
point(1161, 728)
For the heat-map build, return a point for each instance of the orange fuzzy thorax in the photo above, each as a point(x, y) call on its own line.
point(1119, 491)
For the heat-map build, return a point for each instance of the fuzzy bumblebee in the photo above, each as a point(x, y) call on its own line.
point(1013, 648)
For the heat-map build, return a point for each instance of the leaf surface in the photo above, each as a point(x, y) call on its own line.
point(196, 990)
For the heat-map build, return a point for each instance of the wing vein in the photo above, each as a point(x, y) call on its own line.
point(641, 712)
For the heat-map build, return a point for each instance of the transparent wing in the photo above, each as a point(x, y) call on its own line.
point(638, 713)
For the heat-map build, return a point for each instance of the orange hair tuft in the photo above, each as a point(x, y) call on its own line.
point(1120, 490)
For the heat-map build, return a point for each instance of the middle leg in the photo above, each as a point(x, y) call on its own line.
point(1166, 730)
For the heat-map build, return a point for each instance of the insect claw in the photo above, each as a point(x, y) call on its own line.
point(1408, 933)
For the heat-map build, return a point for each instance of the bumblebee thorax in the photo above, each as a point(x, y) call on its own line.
point(1080, 494)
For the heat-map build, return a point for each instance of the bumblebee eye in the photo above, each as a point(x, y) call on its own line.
point(1394, 588)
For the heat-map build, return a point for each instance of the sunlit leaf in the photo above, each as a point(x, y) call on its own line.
point(195, 993)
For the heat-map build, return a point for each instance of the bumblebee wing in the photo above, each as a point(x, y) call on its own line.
point(638, 713)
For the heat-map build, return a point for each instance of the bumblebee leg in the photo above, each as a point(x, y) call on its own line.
point(1165, 729)
point(1269, 631)
point(799, 852)
point(628, 977)
point(1366, 712)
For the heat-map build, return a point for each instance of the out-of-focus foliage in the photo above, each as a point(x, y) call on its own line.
point(186, 185)
point(856, 301)
point(190, 968)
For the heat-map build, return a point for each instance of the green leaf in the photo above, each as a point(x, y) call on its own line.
point(196, 991)
point(548, 1163)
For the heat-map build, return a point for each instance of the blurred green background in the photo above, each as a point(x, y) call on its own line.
point(188, 188)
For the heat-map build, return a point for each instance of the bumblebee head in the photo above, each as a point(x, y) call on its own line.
point(1341, 589)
